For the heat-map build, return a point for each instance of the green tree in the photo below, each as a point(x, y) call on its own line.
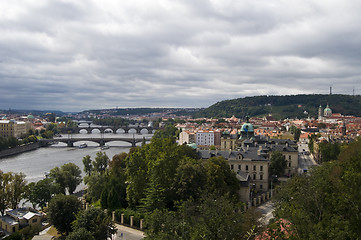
point(101, 162)
point(278, 163)
point(67, 177)
point(324, 204)
point(95, 221)
point(40, 193)
point(96, 184)
point(329, 151)
point(113, 195)
point(80, 234)
point(15, 186)
point(88, 167)
point(213, 217)
point(220, 179)
point(62, 212)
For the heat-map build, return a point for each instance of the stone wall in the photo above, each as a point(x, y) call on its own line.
point(19, 149)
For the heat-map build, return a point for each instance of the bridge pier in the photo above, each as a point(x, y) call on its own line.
point(101, 143)
point(70, 144)
point(134, 144)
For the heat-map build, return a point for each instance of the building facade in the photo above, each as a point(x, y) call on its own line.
point(11, 128)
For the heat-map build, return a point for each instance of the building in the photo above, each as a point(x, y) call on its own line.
point(186, 137)
point(252, 161)
point(205, 138)
point(16, 219)
point(12, 128)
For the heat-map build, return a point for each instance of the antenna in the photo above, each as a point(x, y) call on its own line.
point(330, 90)
point(353, 91)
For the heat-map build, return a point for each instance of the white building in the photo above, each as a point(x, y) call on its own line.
point(205, 138)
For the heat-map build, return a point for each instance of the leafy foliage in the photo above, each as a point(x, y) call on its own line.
point(67, 177)
point(326, 203)
point(12, 188)
point(62, 212)
point(96, 222)
point(41, 192)
point(211, 218)
point(278, 163)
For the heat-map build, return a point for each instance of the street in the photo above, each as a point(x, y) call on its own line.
point(127, 233)
point(304, 158)
point(266, 210)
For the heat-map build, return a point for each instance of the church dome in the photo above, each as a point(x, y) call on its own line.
point(327, 112)
point(247, 127)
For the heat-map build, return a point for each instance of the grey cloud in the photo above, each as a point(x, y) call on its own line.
point(89, 54)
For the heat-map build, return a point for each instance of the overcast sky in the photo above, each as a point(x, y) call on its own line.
point(75, 55)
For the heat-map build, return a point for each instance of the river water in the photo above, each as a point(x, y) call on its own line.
point(35, 163)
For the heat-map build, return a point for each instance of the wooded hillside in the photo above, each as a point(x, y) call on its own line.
point(289, 106)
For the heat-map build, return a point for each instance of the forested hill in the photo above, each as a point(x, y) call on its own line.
point(289, 106)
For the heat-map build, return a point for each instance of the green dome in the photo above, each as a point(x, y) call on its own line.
point(247, 127)
point(30, 117)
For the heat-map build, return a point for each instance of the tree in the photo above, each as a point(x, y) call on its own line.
point(96, 183)
point(88, 167)
point(213, 217)
point(278, 163)
point(325, 203)
point(67, 177)
point(101, 162)
point(113, 195)
point(3, 198)
point(40, 193)
point(72, 176)
point(62, 212)
point(13, 187)
point(329, 151)
point(220, 179)
point(96, 222)
point(80, 234)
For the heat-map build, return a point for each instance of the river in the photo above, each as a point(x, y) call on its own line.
point(35, 163)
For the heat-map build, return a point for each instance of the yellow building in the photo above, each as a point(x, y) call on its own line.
point(14, 220)
point(12, 128)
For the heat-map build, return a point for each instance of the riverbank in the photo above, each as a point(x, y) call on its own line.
point(19, 149)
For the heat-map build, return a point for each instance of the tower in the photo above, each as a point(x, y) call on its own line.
point(320, 112)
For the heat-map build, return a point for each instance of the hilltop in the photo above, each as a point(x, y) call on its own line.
point(288, 106)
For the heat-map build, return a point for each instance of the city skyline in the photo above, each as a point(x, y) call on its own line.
point(73, 56)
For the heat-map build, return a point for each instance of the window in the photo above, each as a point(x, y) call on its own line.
point(35, 220)
point(254, 176)
point(231, 166)
point(260, 177)
point(239, 167)
point(289, 157)
point(261, 168)
point(289, 164)
point(246, 167)
point(260, 186)
point(254, 168)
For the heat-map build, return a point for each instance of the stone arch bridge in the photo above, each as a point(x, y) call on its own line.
point(102, 141)
point(103, 129)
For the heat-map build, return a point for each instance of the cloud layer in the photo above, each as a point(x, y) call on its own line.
point(88, 54)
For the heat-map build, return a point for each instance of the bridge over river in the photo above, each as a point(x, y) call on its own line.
point(102, 141)
point(103, 129)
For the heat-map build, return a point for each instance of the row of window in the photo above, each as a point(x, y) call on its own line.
point(254, 168)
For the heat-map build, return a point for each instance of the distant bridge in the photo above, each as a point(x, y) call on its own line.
point(103, 129)
point(102, 141)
